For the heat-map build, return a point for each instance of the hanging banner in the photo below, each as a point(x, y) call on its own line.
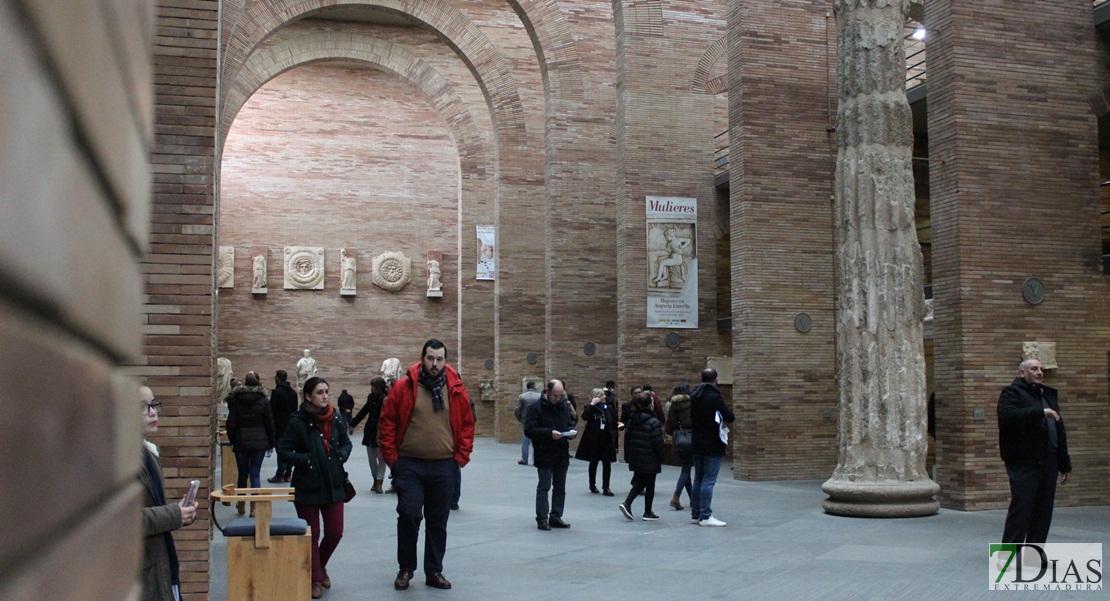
point(672, 253)
point(486, 265)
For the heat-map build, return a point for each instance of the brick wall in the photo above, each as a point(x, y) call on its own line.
point(1013, 180)
point(74, 209)
point(339, 157)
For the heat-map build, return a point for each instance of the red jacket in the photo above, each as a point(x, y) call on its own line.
point(397, 411)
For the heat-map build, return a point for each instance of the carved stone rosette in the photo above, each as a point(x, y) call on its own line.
point(304, 268)
point(225, 267)
point(392, 271)
point(882, 443)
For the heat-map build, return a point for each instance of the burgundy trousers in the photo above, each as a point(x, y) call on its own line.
point(332, 514)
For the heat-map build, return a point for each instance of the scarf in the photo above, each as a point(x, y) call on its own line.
point(323, 420)
point(435, 387)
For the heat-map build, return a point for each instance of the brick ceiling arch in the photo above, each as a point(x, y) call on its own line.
point(555, 47)
point(260, 20)
point(702, 84)
point(267, 63)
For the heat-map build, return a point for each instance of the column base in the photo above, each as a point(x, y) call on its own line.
point(889, 499)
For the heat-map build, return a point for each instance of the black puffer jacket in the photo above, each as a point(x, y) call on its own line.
point(250, 424)
point(283, 402)
point(705, 402)
point(643, 442)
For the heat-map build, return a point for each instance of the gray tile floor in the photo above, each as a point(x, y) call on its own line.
point(778, 544)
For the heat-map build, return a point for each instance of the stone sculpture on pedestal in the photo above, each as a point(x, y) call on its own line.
point(391, 370)
point(435, 287)
point(306, 368)
point(347, 273)
point(258, 274)
point(880, 359)
point(223, 379)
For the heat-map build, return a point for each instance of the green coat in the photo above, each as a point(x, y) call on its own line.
point(157, 520)
point(317, 474)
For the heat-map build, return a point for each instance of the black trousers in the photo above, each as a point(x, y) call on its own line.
point(606, 470)
point(424, 487)
point(1032, 494)
point(642, 483)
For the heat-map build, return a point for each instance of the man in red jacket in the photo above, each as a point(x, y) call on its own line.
point(426, 433)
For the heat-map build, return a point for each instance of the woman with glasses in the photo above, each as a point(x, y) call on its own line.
point(250, 428)
point(160, 566)
point(316, 444)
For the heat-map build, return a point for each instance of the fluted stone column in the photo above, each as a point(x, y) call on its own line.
point(880, 299)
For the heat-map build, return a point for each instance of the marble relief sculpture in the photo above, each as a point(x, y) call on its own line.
point(1045, 352)
point(258, 272)
point(225, 267)
point(486, 390)
point(435, 286)
point(347, 270)
point(304, 268)
point(880, 362)
point(670, 256)
point(392, 271)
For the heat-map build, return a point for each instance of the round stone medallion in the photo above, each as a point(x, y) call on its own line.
point(672, 340)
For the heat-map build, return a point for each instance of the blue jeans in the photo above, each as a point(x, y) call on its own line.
point(524, 441)
point(249, 463)
point(551, 477)
point(424, 489)
point(705, 478)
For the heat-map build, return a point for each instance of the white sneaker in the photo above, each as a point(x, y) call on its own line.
point(626, 513)
point(695, 521)
point(711, 522)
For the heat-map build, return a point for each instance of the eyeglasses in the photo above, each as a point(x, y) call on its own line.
point(146, 407)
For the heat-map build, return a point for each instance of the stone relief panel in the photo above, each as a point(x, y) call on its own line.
point(723, 365)
point(487, 390)
point(1045, 352)
point(225, 267)
point(392, 271)
point(304, 268)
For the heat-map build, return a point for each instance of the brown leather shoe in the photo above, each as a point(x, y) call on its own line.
point(326, 582)
point(317, 590)
point(402, 581)
point(437, 580)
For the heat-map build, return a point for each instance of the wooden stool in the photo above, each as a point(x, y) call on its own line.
point(266, 559)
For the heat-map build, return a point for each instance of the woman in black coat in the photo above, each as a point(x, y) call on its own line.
point(250, 428)
point(643, 450)
point(371, 411)
point(599, 439)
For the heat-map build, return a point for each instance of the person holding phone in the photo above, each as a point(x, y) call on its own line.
point(159, 573)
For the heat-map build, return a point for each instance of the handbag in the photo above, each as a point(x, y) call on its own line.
point(683, 440)
point(348, 488)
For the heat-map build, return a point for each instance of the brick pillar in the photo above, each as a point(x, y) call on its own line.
point(1013, 162)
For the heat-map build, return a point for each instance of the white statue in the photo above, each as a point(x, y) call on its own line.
point(391, 370)
point(223, 379)
point(306, 368)
point(434, 275)
point(258, 280)
point(347, 271)
point(672, 255)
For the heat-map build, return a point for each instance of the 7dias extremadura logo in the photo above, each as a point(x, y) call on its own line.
point(1046, 567)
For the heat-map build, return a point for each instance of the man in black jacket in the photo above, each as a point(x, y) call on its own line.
point(548, 422)
point(706, 404)
point(283, 402)
point(1034, 446)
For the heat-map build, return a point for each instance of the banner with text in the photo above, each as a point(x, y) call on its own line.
point(672, 253)
point(486, 265)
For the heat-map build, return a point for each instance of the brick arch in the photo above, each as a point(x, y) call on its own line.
point(702, 84)
point(269, 62)
point(260, 20)
point(555, 47)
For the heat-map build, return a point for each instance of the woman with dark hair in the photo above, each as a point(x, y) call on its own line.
point(643, 450)
point(599, 439)
point(250, 429)
point(371, 411)
point(317, 445)
point(680, 428)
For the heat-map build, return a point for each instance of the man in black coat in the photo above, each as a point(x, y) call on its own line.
point(283, 402)
point(706, 403)
point(1034, 446)
point(549, 424)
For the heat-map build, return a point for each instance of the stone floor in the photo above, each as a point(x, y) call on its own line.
point(778, 544)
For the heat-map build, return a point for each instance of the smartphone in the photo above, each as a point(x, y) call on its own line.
point(191, 494)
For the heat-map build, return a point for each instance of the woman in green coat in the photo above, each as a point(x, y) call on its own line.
point(316, 444)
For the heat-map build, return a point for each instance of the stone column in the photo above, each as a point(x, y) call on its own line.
point(882, 442)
